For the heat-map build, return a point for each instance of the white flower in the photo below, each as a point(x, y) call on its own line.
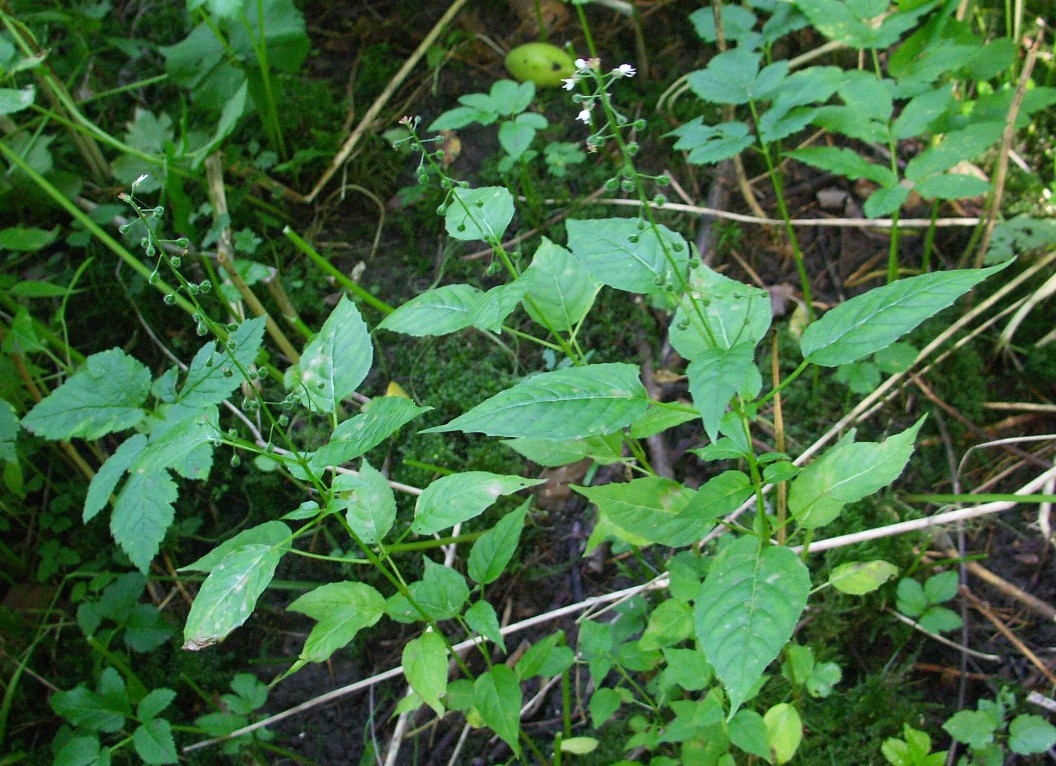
point(139, 180)
point(625, 70)
point(582, 65)
point(569, 83)
point(584, 116)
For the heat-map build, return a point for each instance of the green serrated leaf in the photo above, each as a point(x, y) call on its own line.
point(103, 397)
point(439, 311)
point(156, 700)
point(715, 375)
point(952, 186)
point(493, 550)
point(335, 362)
point(109, 474)
point(82, 751)
point(213, 375)
point(230, 592)
point(462, 496)
point(847, 472)
point(564, 404)
point(560, 291)
point(482, 213)
point(497, 696)
point(746, 611)
point(708, 144)
point(142, 515)
point(862, 24)
point(154, 743)
point(341, 609)
point(87, 709)
point(867, 323)
point(618, 254)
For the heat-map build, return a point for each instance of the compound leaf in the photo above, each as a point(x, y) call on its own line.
point(103, 397)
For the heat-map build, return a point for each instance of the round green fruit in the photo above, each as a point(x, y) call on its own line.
point(542, 63)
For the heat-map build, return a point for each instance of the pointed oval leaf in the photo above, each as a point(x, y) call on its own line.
point(229, 594)
point(650, 508)
point(335, 362)
point(479, 213)
point(715, 375)
point(618, 254)
point(847, 472)
point(857, 578)
point(497, 697)
point(493, 550)
point(435, 312)
point(564, 404)
point(154, 743)
point(213, 375)
point(872, 321)
point(425, 666)
point(462, 496)
point(342, 610)
point(380, 419)
point(103, 397)
point(727, 313)
point(368, 502)
point(560, 290)
point(746, 611)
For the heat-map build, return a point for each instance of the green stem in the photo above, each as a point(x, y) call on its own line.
point(62, 201)
point(929, 238)
point(782, 207)
point(340, 278)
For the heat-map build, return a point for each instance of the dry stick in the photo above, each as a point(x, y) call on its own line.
point(942, 639)
point(1007, 633)
point(984, 574)
point(1006, 147)
point(214, 171)
point(859, 223)
point(383, 99)
point(916, 525)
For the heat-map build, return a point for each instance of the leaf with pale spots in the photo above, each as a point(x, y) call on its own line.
point(335, 362)
point(230, 592)
point(453, 499)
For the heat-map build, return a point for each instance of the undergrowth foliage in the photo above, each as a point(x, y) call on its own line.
point(686, 666)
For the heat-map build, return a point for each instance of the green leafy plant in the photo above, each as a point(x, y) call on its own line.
point(922, 602)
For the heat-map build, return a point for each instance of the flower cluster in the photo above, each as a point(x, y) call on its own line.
point(588, 69)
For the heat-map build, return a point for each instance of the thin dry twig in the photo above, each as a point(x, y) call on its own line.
point(858, 223)
point(942, 639)
point(982, 608)
point(383, 99)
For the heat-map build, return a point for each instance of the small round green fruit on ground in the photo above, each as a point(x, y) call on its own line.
point(542, 63)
